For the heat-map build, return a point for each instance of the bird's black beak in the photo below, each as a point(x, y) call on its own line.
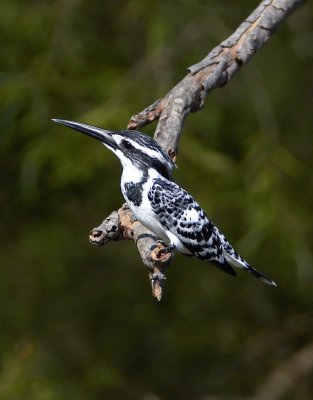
point(100, 134)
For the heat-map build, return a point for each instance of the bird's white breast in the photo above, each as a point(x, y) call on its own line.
point(130, 172)
point(145, 214)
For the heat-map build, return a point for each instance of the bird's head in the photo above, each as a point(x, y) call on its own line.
point(133, 148)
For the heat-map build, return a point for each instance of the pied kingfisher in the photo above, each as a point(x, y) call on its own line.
point(160, 204)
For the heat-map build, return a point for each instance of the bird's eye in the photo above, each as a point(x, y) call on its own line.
point(127, 144)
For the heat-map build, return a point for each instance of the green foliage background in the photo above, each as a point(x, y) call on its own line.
point(78, 322)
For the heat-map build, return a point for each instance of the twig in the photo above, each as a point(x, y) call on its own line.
point(146, 116)
point(215, 70)
point(121, 225)
point(189, 95)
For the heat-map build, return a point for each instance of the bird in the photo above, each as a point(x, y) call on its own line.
point(163, 206)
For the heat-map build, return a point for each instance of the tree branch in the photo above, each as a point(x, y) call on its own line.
point(189, 95)
point(121, 225)
point(215, 70)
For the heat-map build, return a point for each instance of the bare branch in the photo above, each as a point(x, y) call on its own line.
point(189, 95)
point(146, 116)
point(121, 225)
point(215, 70)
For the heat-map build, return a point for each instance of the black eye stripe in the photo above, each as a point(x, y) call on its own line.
point(127, 144)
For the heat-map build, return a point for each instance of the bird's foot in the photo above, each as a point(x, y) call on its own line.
point(161, 254)
point(162, 248)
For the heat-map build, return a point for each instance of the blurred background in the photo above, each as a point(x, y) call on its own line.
point(78, 322)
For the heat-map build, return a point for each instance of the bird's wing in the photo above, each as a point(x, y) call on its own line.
point(180, 214)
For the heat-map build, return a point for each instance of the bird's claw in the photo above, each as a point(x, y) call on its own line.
point(161, 251)
point(165, 248)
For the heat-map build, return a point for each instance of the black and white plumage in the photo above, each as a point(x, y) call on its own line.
point(160, 204)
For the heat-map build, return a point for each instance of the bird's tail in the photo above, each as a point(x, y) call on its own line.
point(236, 261)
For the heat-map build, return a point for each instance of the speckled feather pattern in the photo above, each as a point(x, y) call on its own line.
point(160, 204)
point(181, 215)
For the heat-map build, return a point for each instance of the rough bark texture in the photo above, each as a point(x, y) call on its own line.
point(121, 225)
point(189, 95)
